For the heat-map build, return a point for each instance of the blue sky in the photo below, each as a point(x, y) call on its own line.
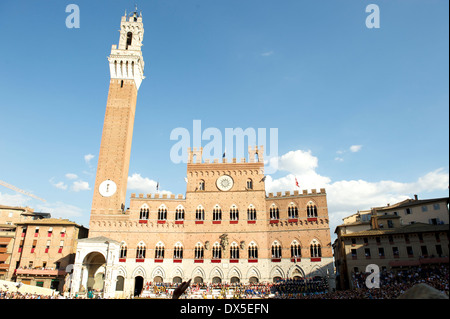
point(362, 112)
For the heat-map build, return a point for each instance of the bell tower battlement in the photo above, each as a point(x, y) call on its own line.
point(126, 61)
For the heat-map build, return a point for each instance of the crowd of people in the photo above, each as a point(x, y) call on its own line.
point(392, 284)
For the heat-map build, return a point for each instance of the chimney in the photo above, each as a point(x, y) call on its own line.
point(416, 197)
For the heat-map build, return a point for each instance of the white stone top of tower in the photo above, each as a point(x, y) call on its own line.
point(126, 61)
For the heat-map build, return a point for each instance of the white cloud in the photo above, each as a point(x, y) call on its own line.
point(143, 185)
point(88, 158)
point(268, 53)
point(346, 197)
point(14, 200)
point(339, 159)
point(59, 185)
point(80, 186)
point(71, 176)
point(355, 148)
point(60, 210)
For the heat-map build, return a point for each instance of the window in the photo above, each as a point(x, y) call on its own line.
point(378, 240)
point(252, 251)
point(129, 39)
point(315, 250)
point(367, 253)
point(61, 246)
point(140, 251)
point(391, 239)
point(201, 185)
point(143, 214)
point(390, 224)
point(251, 213)
point(49, 232)
point(234, 213)
point(409, 251)
point(311, 210)
point(179, 213)
point(217, 213)
point(123, 250)
point(200, 213)
point(354, 255)
point(366, 241)
point(395, 252)
point(434, 221)
point(234, 251)
point(381, 252)
point(436, 206)
point(296, 250)
point(408, 211)
point(178, 251)
point(424, 209)
point(162, 213)
point(36, 232)
point(276, 250)
point(33, 247)
point(353, 241)
point(249, 184)
point(198, 251)
point(292, 211)
point(274, 212)
point(216, 251)
point(159, 251)
point(439, 250)
point(47, 246)
point(424, 251)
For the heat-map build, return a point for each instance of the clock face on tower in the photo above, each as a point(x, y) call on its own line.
point(107, 188)
point(224, 183)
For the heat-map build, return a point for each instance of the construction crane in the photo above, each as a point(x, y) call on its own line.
point(14, 188)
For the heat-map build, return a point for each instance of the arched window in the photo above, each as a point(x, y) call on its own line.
point(123, 250)
point(251, 213)
point(159, 251)
point(315, 250)
point(274, 212)
point(292, 211)
point(296, 250)
point(143, 213)
point(162, 213)
point(234, 251)
point(234, 213)
point(178, 251)
point(249, 183)
point(199, 251)
point(217, 213)
point(276, 250)
point(140, 250)
point(252, 251)
point(311, 210)
point(201, 185)
point(216, 251)
point(129, 39)
point(200, 213)
point(179, 213)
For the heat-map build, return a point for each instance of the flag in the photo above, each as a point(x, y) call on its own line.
point(223, 156)
point(157, 186)
point(296, 182)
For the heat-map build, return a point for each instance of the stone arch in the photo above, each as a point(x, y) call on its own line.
point(234, 272)
point(158, 272)
point(296, 271)
point(139, 271)
point(198, 272)
point(277, 271)
point(253, 272)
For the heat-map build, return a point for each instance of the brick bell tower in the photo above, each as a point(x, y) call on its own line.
point(126, 66)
